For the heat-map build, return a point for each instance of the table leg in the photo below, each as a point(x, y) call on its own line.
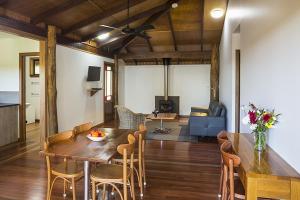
point(251, 189)
point(161, 125)
point(86, 180)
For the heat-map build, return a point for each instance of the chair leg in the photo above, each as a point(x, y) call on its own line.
point(221, 183)
point(74, 190)
point(144, 172)
point(132, 185)
point(104, 192)
point(93, 190)
point(225, 178)
point(141, 178)
point(65, 186)
point(49, 187)
point(231, 181)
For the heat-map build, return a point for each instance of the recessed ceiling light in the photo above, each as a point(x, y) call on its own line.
point(217, 13)
point(103, 36)
point(174, 5)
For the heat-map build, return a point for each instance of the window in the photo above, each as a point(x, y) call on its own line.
point(108, 83)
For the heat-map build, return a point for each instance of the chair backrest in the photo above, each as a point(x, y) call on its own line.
point(222, 137)
point(57, 138)
point(82, 128)
point(228, 156)
point(127, 150)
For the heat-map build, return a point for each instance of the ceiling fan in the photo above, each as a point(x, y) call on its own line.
point(139, 31)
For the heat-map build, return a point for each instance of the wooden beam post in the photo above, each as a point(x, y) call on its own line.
point(214, 73)
point(52, 124)
point(116, 84)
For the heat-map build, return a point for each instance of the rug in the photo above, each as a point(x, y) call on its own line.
point(179, 132)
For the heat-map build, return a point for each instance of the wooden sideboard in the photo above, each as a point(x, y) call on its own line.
point(264, 174)
point(9, 128)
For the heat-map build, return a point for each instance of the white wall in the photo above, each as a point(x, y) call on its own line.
point(74, 103)
point(144, 82)
point(10, 47)
point(269, 39)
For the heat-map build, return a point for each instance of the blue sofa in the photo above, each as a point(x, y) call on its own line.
point(209, 125)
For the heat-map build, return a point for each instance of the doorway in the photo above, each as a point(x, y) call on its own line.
point(109, 92)
point(30, 92)
point(237, 89)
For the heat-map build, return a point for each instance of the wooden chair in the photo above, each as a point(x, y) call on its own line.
point(82, 128)
point(230, 161)
point(69, 172)
point(222, 137)
point(113, 174)
point(139, 159)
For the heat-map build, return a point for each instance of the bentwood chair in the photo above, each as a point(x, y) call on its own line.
point(222, 137)
point(230, 184)
point(113, 174)
point(69, 172)
point(82, 128)
point(139, 159)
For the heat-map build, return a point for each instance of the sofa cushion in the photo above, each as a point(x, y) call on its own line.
point(217, 111)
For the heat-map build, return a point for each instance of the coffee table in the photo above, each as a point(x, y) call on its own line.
point(162, 117)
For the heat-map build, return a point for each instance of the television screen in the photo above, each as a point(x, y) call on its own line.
point(93, 73)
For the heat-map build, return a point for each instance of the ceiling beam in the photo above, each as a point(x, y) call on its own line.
point(202, 23)
point(3, 2)
point(129, 20)
point(172, 31)
point(56, 10)
point(150, 20)
point(101, 16)
point(31, 30)
point(128, 51)
point(150, 48)
point(171, 54)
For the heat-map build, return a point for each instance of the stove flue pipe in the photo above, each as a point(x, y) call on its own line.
point(166, 62)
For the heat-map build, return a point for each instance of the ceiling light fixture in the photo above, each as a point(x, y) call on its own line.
point(217, 13)
point(174, 5)
point(103, 36)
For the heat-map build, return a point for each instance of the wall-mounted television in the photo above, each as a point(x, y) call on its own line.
point(93, 73)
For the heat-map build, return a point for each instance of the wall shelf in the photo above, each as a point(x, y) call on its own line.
point(93, 91)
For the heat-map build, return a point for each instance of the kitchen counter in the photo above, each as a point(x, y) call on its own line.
point(8, 104)
point(9, 123)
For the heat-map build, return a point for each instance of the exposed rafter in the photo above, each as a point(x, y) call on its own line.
point(128, 51)
point(56, 10)
point(150, 20)
point(33, 30)
point(151, 48)
point(100, 16)
point(171, 54)
point(126, 21)
point(172, 31)
point(202, 2)
point(3, 2)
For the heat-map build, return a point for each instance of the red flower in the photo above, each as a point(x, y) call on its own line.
point(252, 117)
point(266, 117)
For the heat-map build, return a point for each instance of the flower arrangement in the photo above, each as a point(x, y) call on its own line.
point(260, 121)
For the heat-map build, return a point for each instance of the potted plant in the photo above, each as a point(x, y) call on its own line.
point(260, 121)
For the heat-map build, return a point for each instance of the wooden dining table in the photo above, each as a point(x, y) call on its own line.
point(83, 149)
point(264, 174)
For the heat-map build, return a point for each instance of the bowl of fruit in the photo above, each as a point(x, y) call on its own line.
point(96, 135)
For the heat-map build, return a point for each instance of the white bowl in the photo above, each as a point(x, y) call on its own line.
point(96, 139)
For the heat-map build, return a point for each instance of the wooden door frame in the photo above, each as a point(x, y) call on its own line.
point(22, 93)
point(237, 89)
point(43, 86)
point(104, 85)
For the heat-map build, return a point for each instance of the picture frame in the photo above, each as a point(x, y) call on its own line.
point(34, 67)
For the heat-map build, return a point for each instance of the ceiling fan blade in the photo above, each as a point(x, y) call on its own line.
point(142, 35)
point(110, 27)
point(145, 27)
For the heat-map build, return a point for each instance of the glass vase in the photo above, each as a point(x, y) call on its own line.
point(260, 141)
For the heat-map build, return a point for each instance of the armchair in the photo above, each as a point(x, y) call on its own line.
point(129, 119)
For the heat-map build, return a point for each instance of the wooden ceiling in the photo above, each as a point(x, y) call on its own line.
point(178, 31)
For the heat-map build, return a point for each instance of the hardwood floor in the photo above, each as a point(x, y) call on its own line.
point(175, 170)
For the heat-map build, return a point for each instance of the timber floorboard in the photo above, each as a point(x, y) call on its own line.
point(175, 170)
